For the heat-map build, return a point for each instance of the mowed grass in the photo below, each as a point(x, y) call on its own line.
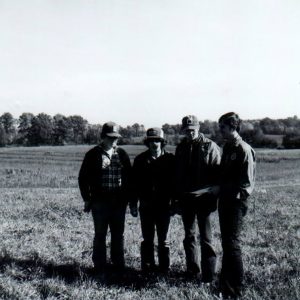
point(46, 239)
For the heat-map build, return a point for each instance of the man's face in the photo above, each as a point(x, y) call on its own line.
point(225, 130)
point(191, 134)
point(110, 142)
point(155, 145)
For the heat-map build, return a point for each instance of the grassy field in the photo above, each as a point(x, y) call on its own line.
point(46, 239)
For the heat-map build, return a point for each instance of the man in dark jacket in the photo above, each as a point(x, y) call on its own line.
point(153, 173)
point(104, 186)
point(197, 162)
point(236, 185)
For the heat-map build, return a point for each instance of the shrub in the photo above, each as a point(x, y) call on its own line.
point(291, 141)
point(258, 139)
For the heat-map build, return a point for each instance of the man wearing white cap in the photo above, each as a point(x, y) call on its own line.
point(197, 161)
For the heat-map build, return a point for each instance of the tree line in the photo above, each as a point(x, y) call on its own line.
point(43, 129)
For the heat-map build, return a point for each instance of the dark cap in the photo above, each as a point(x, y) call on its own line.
point(190, 122)
point(110, 129)
point(154, 133)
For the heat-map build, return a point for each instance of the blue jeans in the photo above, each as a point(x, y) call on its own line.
point(154, 218)
point(193, 211)
point(109, 212)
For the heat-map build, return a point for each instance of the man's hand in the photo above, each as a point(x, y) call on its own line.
point(215, 190)
point(87, 207)
point(133, 211)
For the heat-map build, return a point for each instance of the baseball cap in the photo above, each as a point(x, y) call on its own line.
point(190, 122)
point(154, 133)
point(111, 129)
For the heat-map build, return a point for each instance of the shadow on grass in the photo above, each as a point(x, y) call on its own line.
point(32, 268)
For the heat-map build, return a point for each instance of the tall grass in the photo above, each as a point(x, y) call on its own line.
point(46, 239)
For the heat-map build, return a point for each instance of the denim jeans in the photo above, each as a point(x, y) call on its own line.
point(193, 211)
point(109, 212)
point(154, 218)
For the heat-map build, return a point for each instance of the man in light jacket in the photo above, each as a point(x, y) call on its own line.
point(236, 185)
point(197, 161)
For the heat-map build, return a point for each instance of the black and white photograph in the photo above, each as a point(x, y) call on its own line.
point(149, 149)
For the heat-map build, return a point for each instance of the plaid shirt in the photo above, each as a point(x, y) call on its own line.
point(111, 171)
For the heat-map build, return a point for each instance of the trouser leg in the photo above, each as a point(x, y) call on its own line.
point(147, 245)
point(190, 241)
point(231, 221)
point(116, 224)
point(100, 218)
point(208, 255)
point(162, 226)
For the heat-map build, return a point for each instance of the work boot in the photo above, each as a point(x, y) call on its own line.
point(99, 272)
point(147, 257)
point(164, 258)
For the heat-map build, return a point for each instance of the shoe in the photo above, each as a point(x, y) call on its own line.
point(224, 296)
point(118, 268)
point(205, 281)
point(206, 284)
point(193, 275)
point(98, 270)
point(230, 292)
point(163, 270)
point(100, 275)
point(149, 268)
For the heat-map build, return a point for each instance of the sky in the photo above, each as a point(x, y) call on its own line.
point(150, 62)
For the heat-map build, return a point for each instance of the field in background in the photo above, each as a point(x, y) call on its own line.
point(275, 137)
point(46, 239)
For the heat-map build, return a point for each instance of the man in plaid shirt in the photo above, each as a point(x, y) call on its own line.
point(104, 186)
point(111, 171)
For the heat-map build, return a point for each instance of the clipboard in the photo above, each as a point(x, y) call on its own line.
point(202, 191)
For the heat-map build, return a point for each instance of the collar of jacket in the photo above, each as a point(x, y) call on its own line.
point(200, 139)
point(235, 141)
point(106, 153)
point(151, 157)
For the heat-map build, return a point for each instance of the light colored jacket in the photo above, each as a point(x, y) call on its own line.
point(238, 169)
point(197, 164)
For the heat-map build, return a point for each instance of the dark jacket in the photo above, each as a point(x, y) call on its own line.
point(197, 164)
point(153, 179)
point(237, 169)
point(90, 174)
